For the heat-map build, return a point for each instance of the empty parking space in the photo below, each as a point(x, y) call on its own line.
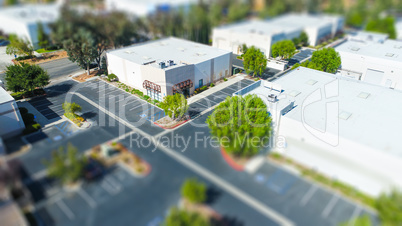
point(50, 107)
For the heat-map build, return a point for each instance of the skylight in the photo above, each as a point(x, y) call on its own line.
point(355, 48)
point(129, 51)
point(311, 82)
point(344, 115)
point(181, 49)
point(397, 47)
point(363, 95)
point(294, 93)
point(389, 55)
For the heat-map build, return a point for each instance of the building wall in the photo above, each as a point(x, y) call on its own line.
point(230, 41)
point(361, 166)
point(222, 67)
point(155, 75)
point(179, 74)
point(10, 120)
point(392, 69)
point(203, 71)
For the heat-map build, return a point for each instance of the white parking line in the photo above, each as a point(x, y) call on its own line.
point(65, 209)
point(190, 164)
point(131, 102)
point(201, 104)
point(330, 206)
point(229, 94)
point(355, 214)
point(234, 89)
point(88, 199)
point(308, 195)
point(136, 107)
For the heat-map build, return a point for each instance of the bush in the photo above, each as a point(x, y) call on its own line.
point(203, 88)
point(256, 79)
point(24, 58)
point(31, 128)
point(146, 97)
point(194, 191)
point(111, 77)
point(212, 85)
point(18, 95)
point(195, 91)
point(177, 217)
point(389, 207)
point(225, 79)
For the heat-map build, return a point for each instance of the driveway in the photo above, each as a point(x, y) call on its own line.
point(4, 59)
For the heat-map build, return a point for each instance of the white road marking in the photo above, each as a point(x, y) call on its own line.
point(65, 209)
point(201, 104)
point(355, 214)
point(229, 94)
point(136, 107)
point(308, 195)
point(232, 88)
point(241, 195)
point(330, 206)
point(88, 199)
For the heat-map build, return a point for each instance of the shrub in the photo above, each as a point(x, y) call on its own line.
point(203, 88)
point(389, 207)
point(212, 85)
point(194, 191)
point(225, 79)
point(24, 58)
point(256, 79)
point(31, 128)
point(195, 91)
point(178, 217)
point(146, 97)
point(111, 77)
point(18, 95)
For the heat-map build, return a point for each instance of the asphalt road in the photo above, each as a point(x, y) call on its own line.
point(119, 198)
point(56, 68)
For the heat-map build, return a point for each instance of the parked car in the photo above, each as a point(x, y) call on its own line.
point(93, 169)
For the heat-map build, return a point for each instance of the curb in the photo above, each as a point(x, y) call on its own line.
point(173, 126)
point(230, 161)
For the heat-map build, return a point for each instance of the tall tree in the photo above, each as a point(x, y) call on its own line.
point(175, 105)
point(25, 77)
point(255, 61)
point(43, 38)
point(385, 25)
point(241, 124)
point(19, 46)
point(283, 49)
point(327, 60)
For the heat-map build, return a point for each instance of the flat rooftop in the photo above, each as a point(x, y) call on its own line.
point(4, 96)
point(282, 24)
point(179, 50)
point(367, 36)
point(368, 114)
point(31, 13)
point(389, 50)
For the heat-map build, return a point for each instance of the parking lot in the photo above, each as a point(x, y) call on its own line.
point(300, 56)
point(204, 102)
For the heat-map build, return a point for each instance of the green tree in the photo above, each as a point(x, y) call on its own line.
point(25, 77)
point(327, 60)
point(385, 25)
point(177, 217)
point(72, 108)
point(275, 8)
point(241, 124)
point(303, 39)
point(389, 207)
point(237, 11)
point(66, 166)
point(43, 38)
point(19, 46)
point(194, 191)
point(359, 221)
point(283, 49)
point(174, 105)
point(254, 60)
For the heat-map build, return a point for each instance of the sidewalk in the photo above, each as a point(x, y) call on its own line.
point(39, 118)
point(236, 78)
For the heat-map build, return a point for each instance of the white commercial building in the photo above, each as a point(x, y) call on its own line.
point(10, 118)
point(347, 129)
point(142, 8)
point(22, 20)
point(365, 36)
point(166, 66)
point(263, 33)
point(373, 62)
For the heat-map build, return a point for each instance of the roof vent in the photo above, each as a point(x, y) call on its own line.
point(201, 54)
point(311, 82)
point(181, 49)
point(344, 115)
point(363, 95)
point(355, 48)
point(162, 43)
point(389, 55)
point(294, 93)
point(146, 57)
point(397, 47)
point(129, 51)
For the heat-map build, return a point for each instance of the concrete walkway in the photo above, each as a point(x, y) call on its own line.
point(233, 80)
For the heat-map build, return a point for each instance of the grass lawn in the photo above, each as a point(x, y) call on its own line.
point(44, 50)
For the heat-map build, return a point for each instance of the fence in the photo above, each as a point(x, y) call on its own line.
point(248, 88)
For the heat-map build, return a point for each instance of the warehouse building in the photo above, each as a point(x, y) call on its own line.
point(365, 36)
point(373, 62)
point(22, 20)
point(10, 118)
point(343, 128)
point(263, 33)
point(168, 66)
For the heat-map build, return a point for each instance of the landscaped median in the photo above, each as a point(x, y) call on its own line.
point(112, 153)
point(70, 110)
point(243, 127)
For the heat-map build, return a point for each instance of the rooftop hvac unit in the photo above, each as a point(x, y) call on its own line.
point(162, 65)
point(170, 62)
point(271, 97)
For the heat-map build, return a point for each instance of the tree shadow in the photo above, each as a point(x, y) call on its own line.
point(89, 115)
point(212, 195)
point(227, 221)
